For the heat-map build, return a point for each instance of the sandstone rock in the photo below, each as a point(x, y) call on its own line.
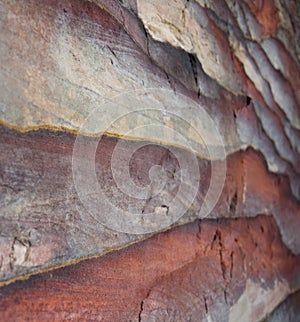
point(204, 271)
point(195, 106)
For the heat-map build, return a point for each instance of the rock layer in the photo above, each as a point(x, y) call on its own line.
point(204, 271)
point(80, 54)
point(45, 223)
point(198, 102)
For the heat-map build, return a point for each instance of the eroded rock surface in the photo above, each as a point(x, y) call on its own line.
point(211, 270)
point(160, 73)
point(79, 55)
point(45, 222)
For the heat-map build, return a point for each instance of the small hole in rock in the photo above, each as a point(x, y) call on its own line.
point(248, 100)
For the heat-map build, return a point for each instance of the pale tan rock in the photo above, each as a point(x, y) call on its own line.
point(186, 25)
point(256, 302)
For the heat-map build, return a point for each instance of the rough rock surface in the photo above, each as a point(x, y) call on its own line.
point(287, 311)
point(44, 222)
point(78, 55)
point(226, 270)
point(213, 82)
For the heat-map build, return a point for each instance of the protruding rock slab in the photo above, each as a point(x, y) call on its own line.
point(45, 223)
point(210, 270)
point(236, 63)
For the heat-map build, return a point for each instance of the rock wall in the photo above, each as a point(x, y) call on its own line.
point(172, 125)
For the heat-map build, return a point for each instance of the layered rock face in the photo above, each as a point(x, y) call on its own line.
point(172, 125)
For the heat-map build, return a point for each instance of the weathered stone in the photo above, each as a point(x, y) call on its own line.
point(226, 270)
point(203, 91)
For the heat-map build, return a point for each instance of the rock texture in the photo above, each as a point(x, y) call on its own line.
point(226, 270)
point(288, 310)
point(79, 54)
point(44, 222)
point(123, 119)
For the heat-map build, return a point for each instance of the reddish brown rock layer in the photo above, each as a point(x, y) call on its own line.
point(190, 273)
point(44, 223)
